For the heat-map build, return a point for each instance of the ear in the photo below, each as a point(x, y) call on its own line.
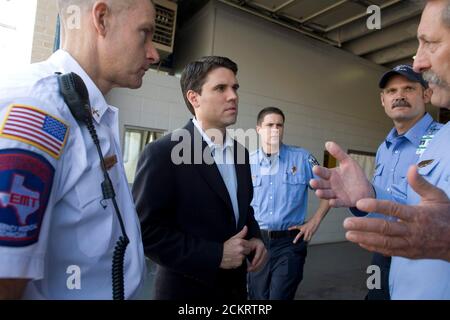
point(258, 128)
point(100, 13)
point(382, 98)
point(427, 93)
point(192, 97)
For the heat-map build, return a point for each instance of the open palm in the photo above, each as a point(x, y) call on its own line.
point(343, 185)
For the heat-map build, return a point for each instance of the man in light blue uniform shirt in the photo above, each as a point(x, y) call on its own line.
point(403, 96)
point(280, 175)
point(419, 240)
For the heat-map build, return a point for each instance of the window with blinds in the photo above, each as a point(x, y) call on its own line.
point(135, 141)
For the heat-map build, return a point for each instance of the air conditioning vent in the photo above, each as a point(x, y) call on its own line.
point(166, 20)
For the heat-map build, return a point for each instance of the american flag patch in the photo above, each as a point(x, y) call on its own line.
point(36, 127)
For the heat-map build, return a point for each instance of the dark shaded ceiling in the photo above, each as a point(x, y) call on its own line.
point(340, 23)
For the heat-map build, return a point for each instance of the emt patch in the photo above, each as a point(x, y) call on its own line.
point(26, 180)
point(37, 128)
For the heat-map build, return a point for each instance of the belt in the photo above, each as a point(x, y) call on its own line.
point(278, 234)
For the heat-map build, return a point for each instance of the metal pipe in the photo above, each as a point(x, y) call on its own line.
point(324, 10)
point(261, 6)
point(283, 5)
point(358, 16)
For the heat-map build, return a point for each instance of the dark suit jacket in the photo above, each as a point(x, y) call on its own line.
point(186, 216)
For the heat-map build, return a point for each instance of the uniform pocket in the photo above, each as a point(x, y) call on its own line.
point(294, 186)
point(95, 219)
point(426, 167)
point(294, 179)
point(89, 188)
point(435, 173)
point(256, 181)
point(377, 174)
point(400, 190)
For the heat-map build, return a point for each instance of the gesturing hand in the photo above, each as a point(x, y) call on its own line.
point(344, 185)
point(422, 231)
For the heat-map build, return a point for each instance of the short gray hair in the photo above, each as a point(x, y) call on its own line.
point(119, 5)
point(446, 14)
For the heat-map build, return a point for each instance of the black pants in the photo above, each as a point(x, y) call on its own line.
point(385, 265)
point(283, 272)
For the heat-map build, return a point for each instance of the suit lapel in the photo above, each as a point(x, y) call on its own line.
point(208, 170)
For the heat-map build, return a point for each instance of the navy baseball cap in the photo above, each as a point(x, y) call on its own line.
point(405, 70)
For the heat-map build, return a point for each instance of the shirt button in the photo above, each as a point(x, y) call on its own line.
point(271, 183)
point(271, 198)
point(388, 189)
point(396, 151)
point(392, 169)
point(270, 212)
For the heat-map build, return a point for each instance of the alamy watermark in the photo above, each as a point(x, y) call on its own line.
point(190, 149)
point(73, 17)
point(74, 279)
point(73, 20)
point(374, 280)
point(374, 21)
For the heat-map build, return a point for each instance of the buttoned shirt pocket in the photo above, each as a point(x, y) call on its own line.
point(435, 173)
point(257, 190)
point(88, 188)
point(295, 185)
point(377, 175)
point(400, 190)
point(294, 178)
point(427, 169)
point(96, 214)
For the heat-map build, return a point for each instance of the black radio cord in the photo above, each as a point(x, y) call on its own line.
point(118, 283)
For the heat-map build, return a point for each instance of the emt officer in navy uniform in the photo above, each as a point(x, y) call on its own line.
point(280, 175)
point(57, 234)
point(404, 96)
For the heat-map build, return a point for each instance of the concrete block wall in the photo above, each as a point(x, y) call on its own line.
point(44, 30)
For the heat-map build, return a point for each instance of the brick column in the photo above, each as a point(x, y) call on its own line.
point(44, 30)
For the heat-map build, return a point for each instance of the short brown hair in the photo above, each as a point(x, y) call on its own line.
point(195, 73)
point(269, 110)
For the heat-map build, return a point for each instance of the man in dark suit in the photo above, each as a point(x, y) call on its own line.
point(193, 191)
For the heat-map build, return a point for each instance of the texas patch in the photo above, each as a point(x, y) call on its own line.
point(26, 180)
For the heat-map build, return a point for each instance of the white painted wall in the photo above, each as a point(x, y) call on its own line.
point(327, 94)
point(158, 104)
